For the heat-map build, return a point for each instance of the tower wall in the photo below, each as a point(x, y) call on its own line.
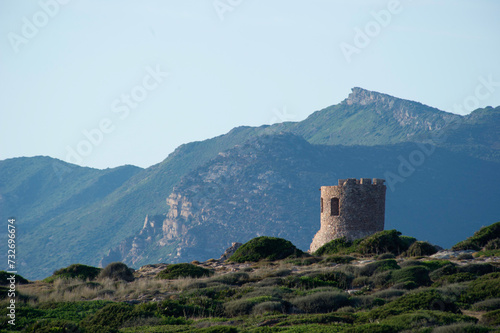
point(353, 209)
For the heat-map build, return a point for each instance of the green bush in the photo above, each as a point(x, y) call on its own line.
point(429, 299)
point(4, 275)
point(477, 269)
point(461, 328)
point(218, 329)
point(270, 248)
point(493, 244)
point(480, 238)
point(378, 266)
point(487, 305)
point(321, 302)
point(424, 318)
point(268, 307)
point(465, 256)
point(382, 242)
point(175, 271)
point(75, 271)
point(389, 293)
point(454, 278)
point(435, 264)
point(117, 271)
point(338, 259)
point(237, 278)
point(442, 271)
point(334, 247)
point(387, 255)
point(482, 288)
point(245, 306)
point(419, 249)
point(491, 318)
point(53, 326)
point(417, 274)
point(113, 316)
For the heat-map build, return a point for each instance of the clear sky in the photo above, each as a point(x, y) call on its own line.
point(125, 82)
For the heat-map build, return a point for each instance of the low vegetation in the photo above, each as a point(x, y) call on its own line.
point(270, 248)
point(75, 271)
point(175, 271)
point(487, 236)
point(361, 286)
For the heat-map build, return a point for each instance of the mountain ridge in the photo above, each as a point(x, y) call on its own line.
point(103, 222)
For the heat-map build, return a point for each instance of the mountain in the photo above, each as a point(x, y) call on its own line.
point(269, 186)
point(68, 214)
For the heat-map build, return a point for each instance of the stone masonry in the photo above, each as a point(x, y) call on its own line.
point(353, 209)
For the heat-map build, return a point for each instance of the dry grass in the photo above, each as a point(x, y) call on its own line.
point(71, 290)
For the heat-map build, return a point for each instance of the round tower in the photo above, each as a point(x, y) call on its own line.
point(353, 209)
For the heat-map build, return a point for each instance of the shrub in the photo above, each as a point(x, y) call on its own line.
point(112, 316)
point(482, 288)
point(417, 274)
point(378, 266)
point(175, 271)
point(480, 238)
point(4, 275)
point(117, 271)
point(493, 244)
point(411, 322)
point(244, 306)
point(445, 270)
point(387, 255)
point(465, 256)
point(454, 278)
point(382, 242)
point(435, 264)
point(361, 281)
point(477, 269)
point(270, 248)
point(388, 293)
point(52, 326)
point(231, 278)
point(408, 285)
point(487, 305)
point(461, 328)
point(270, 306)
point(338, 259)
point(491, 318)
point(75, 271)
point(321, 302)
point(334, 247)
point(429, 299)
point(419, 248)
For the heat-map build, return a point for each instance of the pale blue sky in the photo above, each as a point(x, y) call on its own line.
point(265, 62)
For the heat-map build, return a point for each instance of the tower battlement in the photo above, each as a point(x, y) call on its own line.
point(354, 208)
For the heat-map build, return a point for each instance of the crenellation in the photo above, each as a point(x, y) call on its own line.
point(366, 181)
point(353, 209)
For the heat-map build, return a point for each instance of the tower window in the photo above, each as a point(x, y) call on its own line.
point(322, 205)
point(334, 204)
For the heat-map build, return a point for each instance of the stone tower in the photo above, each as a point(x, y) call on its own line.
point(353, 209)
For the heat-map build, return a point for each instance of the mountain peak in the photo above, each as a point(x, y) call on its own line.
point(364, 97)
